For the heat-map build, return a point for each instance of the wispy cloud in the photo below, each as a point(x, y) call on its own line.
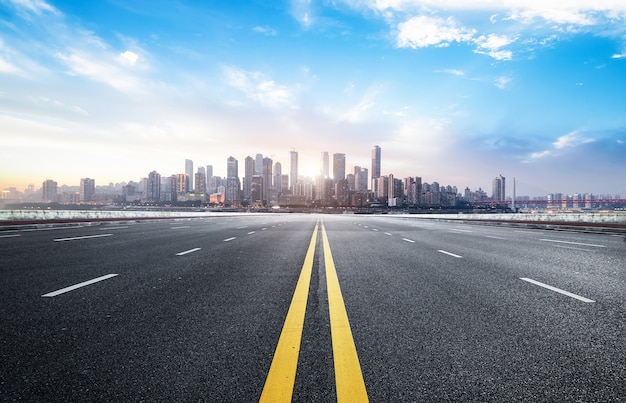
point(502, 82)
point(265, 30)
point(302, 11)
point(570, 140)
point(259, 87)
point(25, 8)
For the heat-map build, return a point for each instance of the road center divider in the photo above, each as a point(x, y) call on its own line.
point(282, 374)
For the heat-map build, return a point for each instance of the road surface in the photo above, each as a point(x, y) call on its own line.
point(193, 310)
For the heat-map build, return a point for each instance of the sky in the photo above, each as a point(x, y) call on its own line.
point(453, 91)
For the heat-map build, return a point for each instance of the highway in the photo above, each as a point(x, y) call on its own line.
point(316, 308)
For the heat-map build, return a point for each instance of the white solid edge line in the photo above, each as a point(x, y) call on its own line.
point(81, 237)
point(408, 240)
point(79, 285)
point(188, 251)
point(229, 239)
point(573, 243)
point(449, 254)
point(549, 287)
point(10, 236)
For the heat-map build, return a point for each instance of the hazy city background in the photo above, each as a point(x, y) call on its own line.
point(264, 183)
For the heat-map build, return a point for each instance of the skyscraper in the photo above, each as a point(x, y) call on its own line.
point(153, 187)
point(325, 164)
point(258, 167)
point(278, 171)
point(87, 189)
point(267, 179)
point(49, 188)
point(189, 172)
point(250, 171)
point(293, 170)
point(339, 166)
point(498, 190)
point(233, 185)
point(375, 162)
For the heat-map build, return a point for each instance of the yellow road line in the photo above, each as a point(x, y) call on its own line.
point(282, 374)
point(348, 375)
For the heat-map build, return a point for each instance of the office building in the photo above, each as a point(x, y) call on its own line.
point(87, 190)
point(153, 187)
point(200, 181)
point(49, 191)
point(189, 172)
point(325, 165)
point(339, 166)
point(293, 170)
point(375, 162)
point(267, 179)
point(249, 172)
point(233, 185)
point(278, 172)
point(498, 192)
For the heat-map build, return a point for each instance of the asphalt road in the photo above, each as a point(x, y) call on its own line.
point(193, 310)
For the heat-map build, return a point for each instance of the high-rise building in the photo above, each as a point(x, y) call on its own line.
point(250, 171)
point(200, 181)
point(360, 179)
point(87, 190)
point(233, 185)
point(209, 172)
point(278, 171)
point(232, 167)
point(267, 179)
point(189, 172)
point(258, 167)
point(293, 170)
point(182, 183)
point(256, 193)
point(153, 187)
point(49, 191)
point(498, 192)
point(375, 162)
point(325, 165)
point(339, 166)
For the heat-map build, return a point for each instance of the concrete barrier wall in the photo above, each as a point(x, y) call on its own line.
point(56, 215)
point(589, 218)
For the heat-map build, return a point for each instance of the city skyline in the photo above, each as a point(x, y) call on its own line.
point(452, 91)
point(271, 173)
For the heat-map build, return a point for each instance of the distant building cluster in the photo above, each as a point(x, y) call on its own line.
point(263, 184)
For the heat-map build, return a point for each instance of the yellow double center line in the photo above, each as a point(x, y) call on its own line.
point(282, 374)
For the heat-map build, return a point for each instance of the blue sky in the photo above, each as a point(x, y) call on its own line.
point(453, 91)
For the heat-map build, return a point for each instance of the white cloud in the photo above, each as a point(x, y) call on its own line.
point(572, 139)
point(619, 55)
point(265, 30)
point(257, 86)
point(569, 140)
point(301, 10)
point(502, 82)
point(492, 45)
point(37, 7)
point(423, 31)
point(128, 58)
point(454, 72)
point(98, 69)
point(7, 67)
